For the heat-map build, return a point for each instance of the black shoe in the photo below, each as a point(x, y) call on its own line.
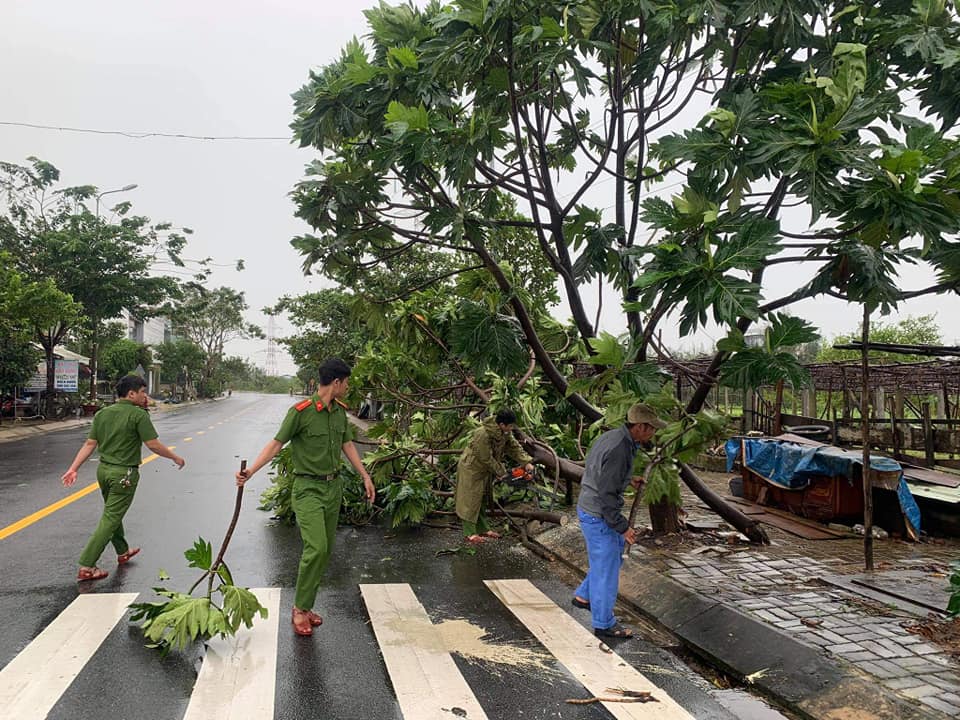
point(618, 632)
point(582, 604)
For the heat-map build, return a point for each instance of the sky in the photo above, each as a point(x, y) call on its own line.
point(215, 68)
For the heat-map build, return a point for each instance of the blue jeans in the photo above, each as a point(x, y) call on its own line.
point(605, 554)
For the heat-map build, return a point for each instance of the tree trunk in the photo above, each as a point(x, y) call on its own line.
point(664, 517)
point(49, 404)
point(743, 524)
point(94, 355)
point(865, 432)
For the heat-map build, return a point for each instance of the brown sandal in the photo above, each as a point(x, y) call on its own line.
point(125, 557)
point(315, 619)
point(476, 539)
point(91, 574)
point(301, 622)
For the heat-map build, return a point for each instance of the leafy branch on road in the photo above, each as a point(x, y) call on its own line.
point(183, 618)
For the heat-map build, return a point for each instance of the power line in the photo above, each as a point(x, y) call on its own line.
point(142, 135)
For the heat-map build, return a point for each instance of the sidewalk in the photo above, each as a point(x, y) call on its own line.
point(10, 430)
point(796, 619)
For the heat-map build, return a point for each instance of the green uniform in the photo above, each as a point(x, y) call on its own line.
point(481, 462)
point(316, 435)
point(119, 430)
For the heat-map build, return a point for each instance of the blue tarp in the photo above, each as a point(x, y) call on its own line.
point(793, 466)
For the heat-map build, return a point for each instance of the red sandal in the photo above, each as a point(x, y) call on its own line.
point(91, 574)
point(125, 557)
point(301, 622)
point(315, 619)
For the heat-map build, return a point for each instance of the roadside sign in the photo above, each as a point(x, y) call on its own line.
point(66, 377)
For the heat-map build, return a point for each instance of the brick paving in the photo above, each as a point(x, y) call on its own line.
point(782, 585)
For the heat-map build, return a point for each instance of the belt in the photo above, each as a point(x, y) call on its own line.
point(311, 476)
point(131, 467)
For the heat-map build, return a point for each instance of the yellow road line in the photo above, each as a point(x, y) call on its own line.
point(187, 439)
point(200, 432)
point(53, 507)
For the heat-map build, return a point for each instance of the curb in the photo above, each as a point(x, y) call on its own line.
point(12, 432)
point(795, 675)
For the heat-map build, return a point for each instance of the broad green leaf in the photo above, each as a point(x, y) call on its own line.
point(200, 555)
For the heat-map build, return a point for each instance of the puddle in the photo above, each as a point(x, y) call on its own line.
point(470, 642)
point(745, 706)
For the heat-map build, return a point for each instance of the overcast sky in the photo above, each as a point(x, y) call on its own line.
point(215, 68)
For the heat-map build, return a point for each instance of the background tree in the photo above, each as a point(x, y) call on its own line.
point(456, 122)
point(104, 261)
point(181, 362)
point(50, 314)
point(210, 319)
point(18, 356)
point(328, 323)
point(122, 357)
point(921, 330)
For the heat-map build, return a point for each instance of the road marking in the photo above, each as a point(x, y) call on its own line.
point(187, 439)
point(53, 507)
point(210, 427)
point(425, 678)
point(201, 432)
point(578, 650)
point(237, 680)
point(32, 683)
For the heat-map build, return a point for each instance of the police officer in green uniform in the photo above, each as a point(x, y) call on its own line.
point(117, 432)
point(318, 431)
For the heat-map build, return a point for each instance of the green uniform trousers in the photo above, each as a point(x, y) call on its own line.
point(317, 505)
point(117, 485)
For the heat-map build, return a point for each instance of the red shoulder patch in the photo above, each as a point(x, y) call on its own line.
point(343, 405)
point(303, 405)
point(319, 406)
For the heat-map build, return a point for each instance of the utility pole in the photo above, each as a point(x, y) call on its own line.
point(271, 365)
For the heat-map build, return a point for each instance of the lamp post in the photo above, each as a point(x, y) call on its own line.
point(94, 350)
point(125, 188)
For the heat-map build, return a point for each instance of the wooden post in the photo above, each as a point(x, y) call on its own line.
point(778, 409)
point(941, 404)
point(865, 439)
point(894, 432)
point(748, 401)
point(880, 403)
point(846, 396)
point(928, 439)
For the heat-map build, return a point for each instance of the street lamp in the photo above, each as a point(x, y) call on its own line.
point(125, 188)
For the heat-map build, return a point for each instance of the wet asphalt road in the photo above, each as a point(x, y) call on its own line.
point(338, 673)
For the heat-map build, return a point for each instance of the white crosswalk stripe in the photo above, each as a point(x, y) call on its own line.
point(238, 677)
point(577, 649)
point(237, 680)
point(32, 683)
point(425, 679)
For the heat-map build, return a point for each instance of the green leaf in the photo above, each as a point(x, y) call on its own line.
point(786, 331)
point(404, 56)
point(401, 119)
point(488, 341)
point(200, 555)
point(607, 350)
point(240, 607)
point(224, 573)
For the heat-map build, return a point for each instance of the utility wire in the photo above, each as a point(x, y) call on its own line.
point(143, 135)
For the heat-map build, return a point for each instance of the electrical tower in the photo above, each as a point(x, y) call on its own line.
point(271, 365)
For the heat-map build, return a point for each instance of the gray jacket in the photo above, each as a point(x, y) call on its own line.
point(608, 471)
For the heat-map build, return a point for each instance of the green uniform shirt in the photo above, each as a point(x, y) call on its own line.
point(316, 436)
point(119, 430)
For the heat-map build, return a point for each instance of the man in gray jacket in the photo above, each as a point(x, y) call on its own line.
point(606, 531)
